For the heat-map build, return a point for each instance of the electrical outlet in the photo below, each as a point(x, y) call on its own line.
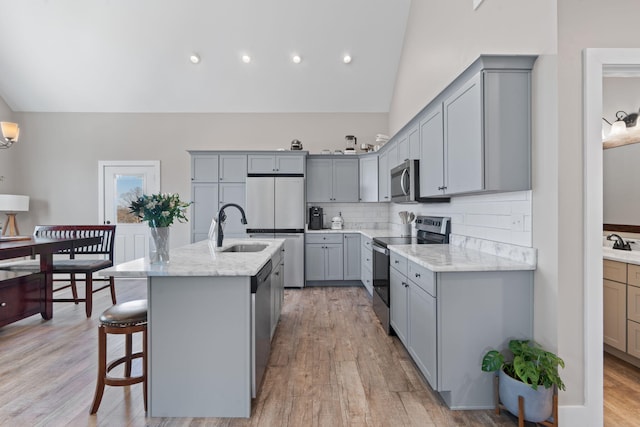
point(517, 222)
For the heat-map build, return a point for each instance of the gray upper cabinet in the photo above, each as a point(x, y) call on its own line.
point(432, 154)
point(392, 158)
point(233, 167)
point(332, 180)
point(204, 168)
point(369, 178)
point(480, 127)
point(383, 177)
point(414, 142)
point(403, 148)
point(464, 165)
point(278, 164)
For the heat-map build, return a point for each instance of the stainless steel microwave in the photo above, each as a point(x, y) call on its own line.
point(405, 182)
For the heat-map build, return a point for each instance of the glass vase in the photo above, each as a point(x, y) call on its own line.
point(158, 245)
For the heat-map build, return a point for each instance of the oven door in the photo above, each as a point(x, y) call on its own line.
point(381, 272)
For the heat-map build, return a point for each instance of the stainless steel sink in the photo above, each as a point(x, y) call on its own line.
point(245, 248)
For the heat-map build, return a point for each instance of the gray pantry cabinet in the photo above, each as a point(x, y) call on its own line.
point(447, 320)
point(332, 180)
point(216, 179)
point(480, 127)
point(324, 257)
point(352, 263)
point(276, 163)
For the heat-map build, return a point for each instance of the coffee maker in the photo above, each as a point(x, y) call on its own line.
point(315, 218)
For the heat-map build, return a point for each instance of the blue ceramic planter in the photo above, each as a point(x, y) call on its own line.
point(538, 404)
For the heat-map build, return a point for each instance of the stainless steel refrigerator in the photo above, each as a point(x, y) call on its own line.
point(275, 209)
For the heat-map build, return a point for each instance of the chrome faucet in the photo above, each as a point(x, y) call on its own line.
point(222, 216)
point(619, 243)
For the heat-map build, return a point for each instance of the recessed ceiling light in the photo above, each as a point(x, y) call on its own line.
point(296, 59)
point(194, 58)
point(246, 59)
point(346, 59)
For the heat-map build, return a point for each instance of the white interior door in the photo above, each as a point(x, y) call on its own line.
point(120, 182)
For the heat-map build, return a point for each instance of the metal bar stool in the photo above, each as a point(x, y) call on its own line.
point(125, 318)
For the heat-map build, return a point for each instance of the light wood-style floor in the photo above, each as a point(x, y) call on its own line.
point(331, 365)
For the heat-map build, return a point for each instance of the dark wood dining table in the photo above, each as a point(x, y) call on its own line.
point(25, 294)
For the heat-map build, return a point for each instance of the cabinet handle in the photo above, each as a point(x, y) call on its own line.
point(417, 274)
point(3, 304)
point(395, 261)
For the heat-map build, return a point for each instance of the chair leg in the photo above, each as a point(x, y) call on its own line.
point(88, 294)
point(112, 287)
point(102, 369)
point(128, 351)
point(74, 289)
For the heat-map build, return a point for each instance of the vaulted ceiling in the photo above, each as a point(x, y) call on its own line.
point(134, 56)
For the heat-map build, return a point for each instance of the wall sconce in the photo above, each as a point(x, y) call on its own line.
point(625, 130)
point(10, 134)
point(11, 203)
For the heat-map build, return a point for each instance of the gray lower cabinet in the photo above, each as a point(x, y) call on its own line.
point(366, 264)
point(351, 252)
point(277, 289)
point(332, 180)
point(398, 310)
point(324, 258)
point(369, 178)
point(448, 320)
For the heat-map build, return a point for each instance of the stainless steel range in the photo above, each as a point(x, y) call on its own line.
point(430, 230)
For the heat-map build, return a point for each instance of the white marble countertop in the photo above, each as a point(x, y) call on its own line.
point(369, 232)
point(630, 257)
point(200, 259)
point(452, 258)
point(463, 254)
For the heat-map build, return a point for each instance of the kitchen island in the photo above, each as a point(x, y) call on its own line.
point(201, 327)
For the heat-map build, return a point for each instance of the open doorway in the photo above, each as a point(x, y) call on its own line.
point(598, 63)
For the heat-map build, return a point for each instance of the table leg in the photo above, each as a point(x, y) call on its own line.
point(46, 268)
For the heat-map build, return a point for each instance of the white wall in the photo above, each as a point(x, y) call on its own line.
point(57, 160)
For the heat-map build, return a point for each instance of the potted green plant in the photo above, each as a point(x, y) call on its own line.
point(530, 367)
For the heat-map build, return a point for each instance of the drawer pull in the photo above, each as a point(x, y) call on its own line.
point(417, 274)
point(395, 261)
point(3, 304)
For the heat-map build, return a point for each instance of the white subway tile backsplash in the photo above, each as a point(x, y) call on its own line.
point(501, 217)
point(486, 216)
